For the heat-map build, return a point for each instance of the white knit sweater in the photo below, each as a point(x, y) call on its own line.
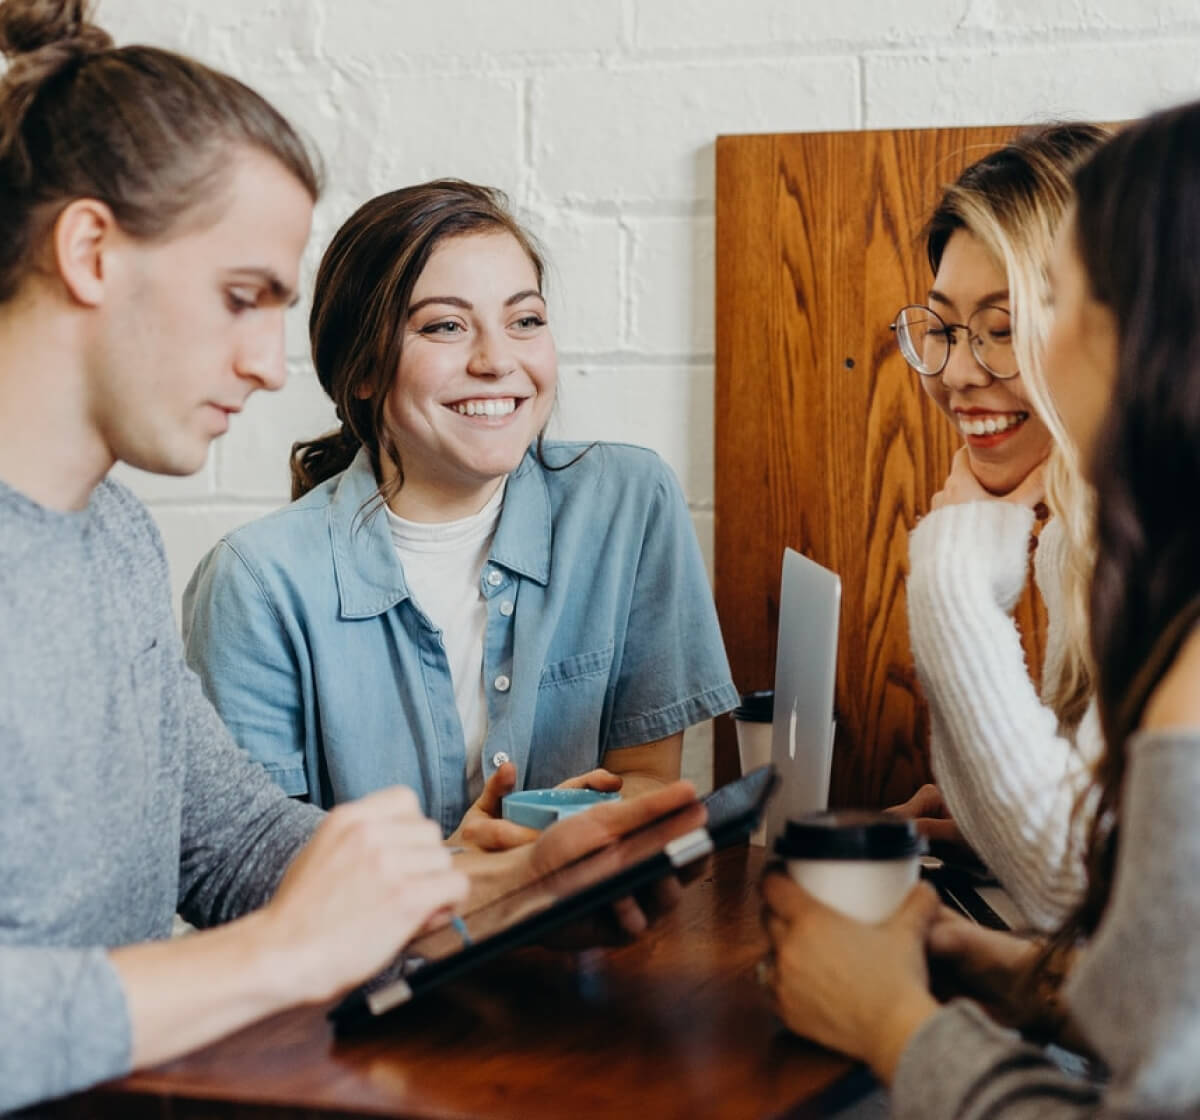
point(1008, 777)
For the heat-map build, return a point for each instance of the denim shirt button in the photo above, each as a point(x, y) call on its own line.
point(506, 608)
point(502, 683)
point(494, 578)
point(499, 759)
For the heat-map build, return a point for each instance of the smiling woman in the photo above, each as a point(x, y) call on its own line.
point(453, 602)
point(1009, 759)
point(978, 385)
point(1127, 300)
point(476, 377)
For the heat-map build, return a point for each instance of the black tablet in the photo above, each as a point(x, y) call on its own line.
point(526, 915)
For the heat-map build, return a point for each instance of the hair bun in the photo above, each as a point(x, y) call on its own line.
point(31, 25)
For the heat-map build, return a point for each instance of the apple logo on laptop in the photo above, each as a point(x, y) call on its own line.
point(792, 729)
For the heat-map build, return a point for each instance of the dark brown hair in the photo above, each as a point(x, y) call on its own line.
point(143, 130)
point(360, 306)
point(1137, 232)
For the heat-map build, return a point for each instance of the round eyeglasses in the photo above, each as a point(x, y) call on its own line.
point(925, 340)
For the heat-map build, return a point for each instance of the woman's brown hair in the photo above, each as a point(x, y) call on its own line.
point(1136, 229)
point(143, 130)
point(360, 305)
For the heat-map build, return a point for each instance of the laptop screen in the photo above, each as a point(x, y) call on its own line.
point(805, 675)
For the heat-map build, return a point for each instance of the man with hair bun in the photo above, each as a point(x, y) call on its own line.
point(154, 213)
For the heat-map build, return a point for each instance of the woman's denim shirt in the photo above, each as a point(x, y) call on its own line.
point(601, 633)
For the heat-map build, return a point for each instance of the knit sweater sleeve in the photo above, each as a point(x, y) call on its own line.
point(1008, 777)
point(238, 830)
point(64, 1023)
point(1135, 993)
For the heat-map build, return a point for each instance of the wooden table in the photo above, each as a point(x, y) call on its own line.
point(672, 1026)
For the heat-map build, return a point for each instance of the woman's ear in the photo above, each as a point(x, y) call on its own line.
point(83, 234)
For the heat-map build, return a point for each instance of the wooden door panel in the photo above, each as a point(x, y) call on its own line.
point(825, 442)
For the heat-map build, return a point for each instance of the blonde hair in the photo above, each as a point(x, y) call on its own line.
point(1013, 201)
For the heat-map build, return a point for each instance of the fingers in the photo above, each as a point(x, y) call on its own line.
point(938, 828)
point(630, 919)
point(777, 930)
point(635, 915)
point(785, 898)
point(1032, 488)
point(373, 829)
point(918, 911)
point(960, 465)
point(926, 802)
point(442, 891)
point(929, 801)
point(582, 833)
point(605, 781)
point(624, 816)
point(496, 835)
point(948, 934)
point(660, 898)
point(497, 787)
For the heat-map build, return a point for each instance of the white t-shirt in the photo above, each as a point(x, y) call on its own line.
point(443, 562)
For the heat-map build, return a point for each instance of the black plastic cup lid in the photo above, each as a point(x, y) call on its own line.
point(756, 707)
point(850, 834)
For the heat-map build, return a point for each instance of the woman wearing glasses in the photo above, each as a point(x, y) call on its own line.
point(1123, 363)
point(1009, 760)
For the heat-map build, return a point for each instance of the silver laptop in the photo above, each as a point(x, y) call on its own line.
point(805, 672)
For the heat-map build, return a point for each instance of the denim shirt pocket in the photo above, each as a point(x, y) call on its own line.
point(577, 667)
point(570, 715)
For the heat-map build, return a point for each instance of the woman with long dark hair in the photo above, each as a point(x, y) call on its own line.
point(1123, 366)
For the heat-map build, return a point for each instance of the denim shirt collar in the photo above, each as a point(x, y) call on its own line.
point(370, 577)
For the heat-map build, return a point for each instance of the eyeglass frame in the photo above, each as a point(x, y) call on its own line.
point(950, 329)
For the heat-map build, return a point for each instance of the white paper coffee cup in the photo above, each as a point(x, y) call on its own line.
point(862, 864)
point(752, 718)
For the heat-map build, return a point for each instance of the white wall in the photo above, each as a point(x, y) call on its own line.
point(598, 117)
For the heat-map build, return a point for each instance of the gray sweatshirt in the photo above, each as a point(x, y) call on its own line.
point(1135, 994)
point(123, 798)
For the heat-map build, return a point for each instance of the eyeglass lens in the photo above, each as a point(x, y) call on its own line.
point(925, 340)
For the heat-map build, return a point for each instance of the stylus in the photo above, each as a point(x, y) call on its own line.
point(461, 927)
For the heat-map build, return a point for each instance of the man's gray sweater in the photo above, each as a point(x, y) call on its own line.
point(123, 797)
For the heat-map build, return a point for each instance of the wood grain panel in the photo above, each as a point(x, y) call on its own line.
point(824, 440)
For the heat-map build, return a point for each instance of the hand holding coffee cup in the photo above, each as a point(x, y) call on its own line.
point(859, 863)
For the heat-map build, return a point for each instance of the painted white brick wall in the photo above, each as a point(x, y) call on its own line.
point(599, 118)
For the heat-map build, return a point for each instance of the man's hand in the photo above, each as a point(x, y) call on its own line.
point(483, 826)
point(373, 874)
